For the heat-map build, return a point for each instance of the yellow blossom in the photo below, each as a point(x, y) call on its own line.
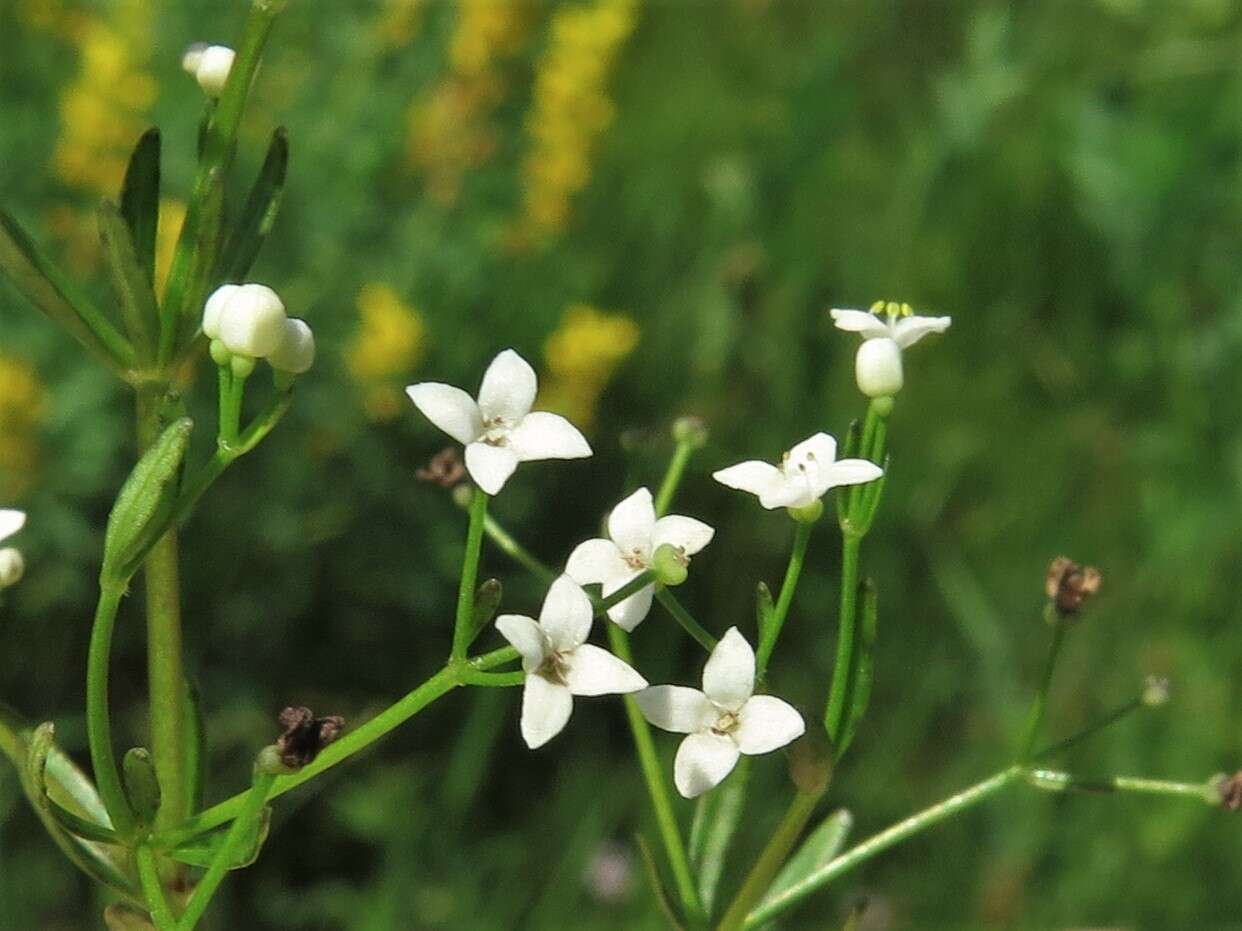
point(21, 409)
point(388, 345)
point(398, 23)
point(581, 356)
point(172, 216)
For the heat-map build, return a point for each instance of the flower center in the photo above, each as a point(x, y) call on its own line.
point(496, 431)
point(726, 724)
point(635, 558)
point(555, 668)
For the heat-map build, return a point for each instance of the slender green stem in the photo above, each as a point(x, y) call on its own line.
point(774, 855)
point(1090, 730)
point(153, 889)
point(1054, 781)
point(657, 790)
point(517, 552)
point(232, 393)
point(672, 477)
point(469, 575)
point(493, 679)
point(684, 618)
point(252, 807)
point(834, 713)
point(1035, 717)
point(767, 642)
point(880, 842)
point(98, 722)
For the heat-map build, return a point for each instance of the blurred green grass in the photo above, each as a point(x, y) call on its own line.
point(1060, 177)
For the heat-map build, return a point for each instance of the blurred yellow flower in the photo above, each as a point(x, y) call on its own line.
point(398, 22)
point(21, 409)
point(571, 109)
point(389, 344)
point(581, 356)
point(172, 216)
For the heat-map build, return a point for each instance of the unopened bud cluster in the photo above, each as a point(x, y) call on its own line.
point(209, 65)
point(248, 321)
point(12, 565)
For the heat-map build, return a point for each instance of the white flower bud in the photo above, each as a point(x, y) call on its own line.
point(252, 322)
point(214, 309)
point(213, 66)
point(12, 567)
point(878, 368)
point(296, 353)
point(193, 57)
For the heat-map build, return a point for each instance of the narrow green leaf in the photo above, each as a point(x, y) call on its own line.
point(130, 281)
point(872, 492)
point(486, 601)
point(191, 271)
point(845, 496)
point(764, 609)
point(140, 199)
point(201, 850)
point(863, 672)
point(716, 817)
point(663, 900)
point(821, 845)
point(42, 283)
point(259, 212)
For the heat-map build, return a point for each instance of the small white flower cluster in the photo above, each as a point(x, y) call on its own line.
point(877, 366)
point(209, 65)
point(12, 565)
point(248, 322)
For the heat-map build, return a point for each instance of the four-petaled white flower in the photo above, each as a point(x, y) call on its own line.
point(805, 474)
point(722, 721)
point(12, 565)
point(635, 536)
point(877, 366)
point(559, 663)
point(499, 430)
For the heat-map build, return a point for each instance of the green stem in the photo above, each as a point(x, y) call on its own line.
point(767, 642)
point(880, 842)
point(1035, 716)
point(834, 713)
point(493, 679)
point(1053, 781)
point(672, 477)
point(661, 802)
point(153, 889)
point(1090, 730)
point(98, 722)
point(232, 393)
point(760, 877)
point(252, 807)
point(684, 618)
point(469, 574)
point(518, 553)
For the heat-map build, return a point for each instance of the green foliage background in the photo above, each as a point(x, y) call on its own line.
point(1062, 178)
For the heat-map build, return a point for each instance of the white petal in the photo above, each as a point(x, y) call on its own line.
point(729, 676)
point(508, 388)
point(794, 491)
point(596, 561)
point(541, 435)
point(490, 466)
point(214, 308)
point(296, 352)
point(593, 671)
point(909, 330)
point(847, 472)
point(820, 449)
point(632, 521)
point(629, 614)
point(703, 761)
point(546, 707)
point(10, 522)
point(758, 478)
point(859, 321)
point(766, 723)
point(686, 532)
point(677, 708)
point(449, 408)
point(526, 637)
point(566, 614)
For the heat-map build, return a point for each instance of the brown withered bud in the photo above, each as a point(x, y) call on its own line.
point(1230, 789)
point(1068, 585)
point(305, 735)
point(445, 469)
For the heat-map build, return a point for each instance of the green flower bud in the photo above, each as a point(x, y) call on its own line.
point(141, 784)
point(808, 514)
point(690, 430)
point(669, 564)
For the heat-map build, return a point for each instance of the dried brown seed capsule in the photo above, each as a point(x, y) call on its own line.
point(1230, 789)
point(305, 735)
point(445, 469)
point(1068, 585)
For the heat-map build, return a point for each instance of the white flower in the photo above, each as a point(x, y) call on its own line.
point(11, 563)
point(635, 536)
point(877, 366)
point(499, 430)
point(210, 66)
point(249, 319)
point(559, 663)
point(805, 474)
point(722, 721)
point(296, 352)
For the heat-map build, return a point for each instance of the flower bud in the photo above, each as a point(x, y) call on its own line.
point(1155, 691)
point(252, 322)
point(296, 353)
point(12, 567)
point(690, 430)
point(193, 57)
point(877, 368)
point(212, 68)
point(142, 786)
point(214, 309)
point(669, 564)
point(1069, 585)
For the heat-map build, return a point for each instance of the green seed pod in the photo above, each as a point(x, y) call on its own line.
point(669, 565)
point(142, 785)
